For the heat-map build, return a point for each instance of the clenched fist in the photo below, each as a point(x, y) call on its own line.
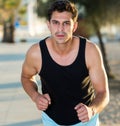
point(84, 112)
point(43, 101)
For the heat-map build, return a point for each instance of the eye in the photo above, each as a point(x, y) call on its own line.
point(55, 22)
point(66, 23)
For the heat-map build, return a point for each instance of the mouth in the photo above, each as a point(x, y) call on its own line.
point(60, 36)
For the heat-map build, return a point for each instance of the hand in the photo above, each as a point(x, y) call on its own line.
point(84, 112)
point(43, 101)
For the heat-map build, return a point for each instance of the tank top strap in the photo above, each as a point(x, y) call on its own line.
point(44, 52)
point(42, 46)
point(81, 53)
point(82, 43)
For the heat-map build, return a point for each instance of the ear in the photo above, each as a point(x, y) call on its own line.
point(48, 24)
point(75, 26)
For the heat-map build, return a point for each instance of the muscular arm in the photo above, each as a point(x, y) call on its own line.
point(30, 68)
point(99, 80)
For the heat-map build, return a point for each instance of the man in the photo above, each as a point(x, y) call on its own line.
point(74, 83)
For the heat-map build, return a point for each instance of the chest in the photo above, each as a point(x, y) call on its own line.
point(65, 60)
point(64, 57)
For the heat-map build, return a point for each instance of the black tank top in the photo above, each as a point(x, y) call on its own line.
point(66, 85)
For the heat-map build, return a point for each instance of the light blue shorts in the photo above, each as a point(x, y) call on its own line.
point(47, 121)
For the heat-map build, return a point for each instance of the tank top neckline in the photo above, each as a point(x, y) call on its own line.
point(64, 66)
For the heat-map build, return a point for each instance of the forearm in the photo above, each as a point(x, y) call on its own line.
point(100, 102)
point(30, 87)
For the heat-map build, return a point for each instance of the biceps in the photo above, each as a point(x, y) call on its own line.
point(28, 70)
point(99, 79)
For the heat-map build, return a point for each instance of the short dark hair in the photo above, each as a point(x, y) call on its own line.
point(61, 6)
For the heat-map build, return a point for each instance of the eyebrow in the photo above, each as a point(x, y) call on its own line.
point(58, 21)
point(55, 20)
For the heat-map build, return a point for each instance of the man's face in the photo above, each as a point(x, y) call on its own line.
point(62, 26)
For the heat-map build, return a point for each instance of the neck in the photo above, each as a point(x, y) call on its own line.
point(63, 48)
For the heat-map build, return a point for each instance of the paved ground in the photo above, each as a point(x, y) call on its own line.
point(17, 109)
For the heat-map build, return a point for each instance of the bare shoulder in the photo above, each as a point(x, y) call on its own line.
point(93, 53)
point(91, 46)
point(33, 51)
point(33, 56)
point(92, 49)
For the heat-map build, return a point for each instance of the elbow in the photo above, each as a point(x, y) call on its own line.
point(107, 97)
point(22, 79)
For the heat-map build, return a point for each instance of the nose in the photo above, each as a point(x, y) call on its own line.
point(61, 27)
